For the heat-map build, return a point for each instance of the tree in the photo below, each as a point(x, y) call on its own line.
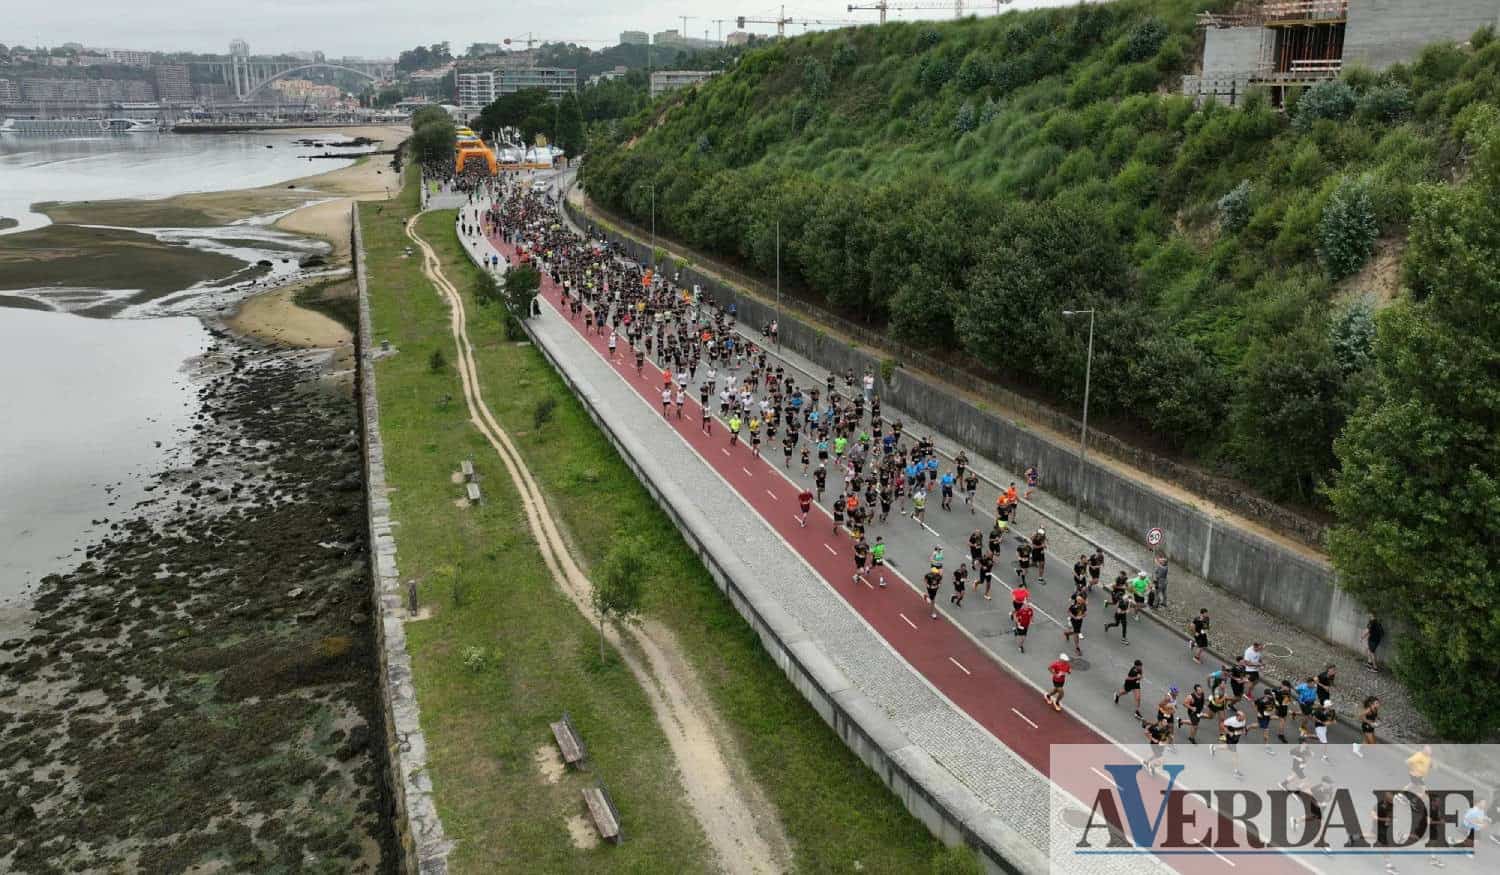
point(424, 57)
point(521, 284)
point(529, 111)
point(1418, 493)
point(432, 139)
point(618, 584)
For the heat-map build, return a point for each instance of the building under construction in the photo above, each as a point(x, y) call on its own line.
point(1279, 44)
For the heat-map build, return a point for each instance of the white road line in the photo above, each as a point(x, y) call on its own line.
point(1104, 776)
point(960, 666)
point(747, 471)
point(1023, 717)
point(724, 450)
point(1222, 857)
point(908, 621)
point(770, 493)
point(830, 549)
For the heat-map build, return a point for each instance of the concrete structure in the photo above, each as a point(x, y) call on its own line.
point(10, 91)
point(247, 75)
point(609, 75)
point(634, 38)
point(62, 91)
point(671, 39)
point(422, 846)
point(737, 38)
point(480, 88)
point(476, 90)
point(173, 84)
point(1385, 32)
point(663, 81)
point(1281, 44)
point(129, 58)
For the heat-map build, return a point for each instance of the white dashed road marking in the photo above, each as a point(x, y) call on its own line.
point(908, 620)
point(960, 666)
point(1023, 717)
point(830, 549)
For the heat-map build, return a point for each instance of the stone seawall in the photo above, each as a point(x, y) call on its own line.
point(1256, 569)
point(421, 845)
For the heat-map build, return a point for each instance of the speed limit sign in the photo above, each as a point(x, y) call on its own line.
point(1153, 537)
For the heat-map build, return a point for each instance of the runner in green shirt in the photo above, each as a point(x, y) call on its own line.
point(840, 444)
point(1139, 586)
point(734, 430)
point(877, 555)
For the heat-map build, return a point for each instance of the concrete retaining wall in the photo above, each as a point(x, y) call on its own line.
point(1384, 32)
point(1254, 568)
point(421, 845)
point(931, 793)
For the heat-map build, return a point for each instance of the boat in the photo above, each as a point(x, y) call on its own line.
point(79, 127)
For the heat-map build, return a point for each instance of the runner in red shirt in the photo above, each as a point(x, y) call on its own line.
point(1022, 617)
point(1018, 597)
point(804, 501)
point(1059, 669)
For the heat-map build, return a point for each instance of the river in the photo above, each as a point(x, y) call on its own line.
point(88, 407)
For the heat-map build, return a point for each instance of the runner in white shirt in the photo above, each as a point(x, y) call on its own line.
point(666, 401)
point(1231, 730)
point(1254, 656)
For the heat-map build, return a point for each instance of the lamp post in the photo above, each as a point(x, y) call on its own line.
point(777, 323)
point(1083, 440)
point(653, 228)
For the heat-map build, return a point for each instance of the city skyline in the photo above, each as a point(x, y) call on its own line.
point(391, 26)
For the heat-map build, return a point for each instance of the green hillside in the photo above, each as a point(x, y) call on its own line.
point(963, 182)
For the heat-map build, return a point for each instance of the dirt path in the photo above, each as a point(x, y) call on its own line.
point(739, 823)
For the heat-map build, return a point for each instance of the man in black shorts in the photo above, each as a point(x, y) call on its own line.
point(1158, 734)
point(1132, 686)
point(1076, 612)
point(934, 581)
point(1121, 601)
point(1194, 704)
point(861, 556)
point(1199, 642)
point(986, 569)
point(1265, 708)
point(1023, 560)
point(1039, 554)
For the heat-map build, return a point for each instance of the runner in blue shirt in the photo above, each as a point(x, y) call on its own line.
point(947, 481)
point(932, 469)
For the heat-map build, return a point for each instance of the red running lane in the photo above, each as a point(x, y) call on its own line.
point(965, 673)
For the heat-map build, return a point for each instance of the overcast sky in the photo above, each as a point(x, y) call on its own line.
point(381, 28)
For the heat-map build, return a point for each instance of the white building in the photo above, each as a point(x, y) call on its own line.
point(663, 81)
point(129, 58)
point(478, 89)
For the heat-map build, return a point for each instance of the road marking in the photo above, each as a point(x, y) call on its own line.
point(830, 549)
point(1023, 717)
point(747, 471)
point(907, 619)
point(770, 493)
point(960, 666)
point(724, 450)
point(1222, 857)
point(1104, 776)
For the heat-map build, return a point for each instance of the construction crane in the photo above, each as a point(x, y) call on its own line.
point(782, 21)
point(531, 41)
point(883, 6)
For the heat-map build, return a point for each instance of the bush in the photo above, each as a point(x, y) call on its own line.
point(844, 56)
point(542, 413)
point(966, 119)
point(487, 289)
point(1385, 104)
point(1145, 38)
point(1351, 334)
point(476, 659)
point(437, 362)
point(1332, 100)
point(815, 79)
point(1234, 208)
point(1347, 230)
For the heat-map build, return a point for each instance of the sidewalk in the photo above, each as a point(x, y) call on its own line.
point(1290, 651)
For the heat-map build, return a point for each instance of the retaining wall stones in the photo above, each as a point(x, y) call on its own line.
point(1259, 570)
point(419, 832)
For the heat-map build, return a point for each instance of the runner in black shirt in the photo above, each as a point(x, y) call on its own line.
point(1132, 686)
point(1076, 612)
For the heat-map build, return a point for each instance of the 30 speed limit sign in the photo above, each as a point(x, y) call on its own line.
point(1153, 537)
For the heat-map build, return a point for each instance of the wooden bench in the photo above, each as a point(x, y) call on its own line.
point(473, 492)
point(602, 810)
point(467, 467)
point(569, 741)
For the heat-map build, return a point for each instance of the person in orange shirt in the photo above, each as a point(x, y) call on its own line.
point(666, 377)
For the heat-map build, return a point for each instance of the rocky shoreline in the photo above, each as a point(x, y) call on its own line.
point(200, 691)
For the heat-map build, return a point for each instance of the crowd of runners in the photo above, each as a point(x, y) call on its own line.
point(870, 473)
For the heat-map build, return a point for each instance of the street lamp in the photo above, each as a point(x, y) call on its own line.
point(1083, 440)
point(778, 286)
point(653, 227)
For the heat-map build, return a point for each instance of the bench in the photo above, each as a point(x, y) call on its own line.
point(569, 741)
point(602, 810)
point(473, 492)
point(467, 467)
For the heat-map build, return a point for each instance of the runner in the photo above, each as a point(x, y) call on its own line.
point(934, 581)
point(1417, 767)
point(1132, 685)
point(1199, 640)
point(1195, 703)
point(1032, 477)
point(707, 423)
point(986, 567)
point(1076, 612)
point(861, 555)
point(1039, 554)
point(919, 506)
point(734, 430)
point(1121, 603)
point(1080, 576)
point(806, 460)
point(679, 398)
point(960, 584)
point(755, 435)
point(1322, 719)
point(1368, 719)
point(666, 403)
point(1059, 670)
point(877, 557)
point(788, 444)
point(1231, 730)
point(614, 340)
point(946, 482)
point(1285, 695)
point(1158, 735)
point(1297, 780)
point(804, 506)
point(1251, 660)
point(971, 487)
point(1023, 560)
point(1021, 616)
point(838, 512)
point(820, 480)
point(976, 545)
point(1265, 709)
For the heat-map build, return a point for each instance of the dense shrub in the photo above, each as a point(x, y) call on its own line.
point(1347, 231)
point(1145, 38)
point(1333, 100)
point(1234, 208)
point(1385, 104)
